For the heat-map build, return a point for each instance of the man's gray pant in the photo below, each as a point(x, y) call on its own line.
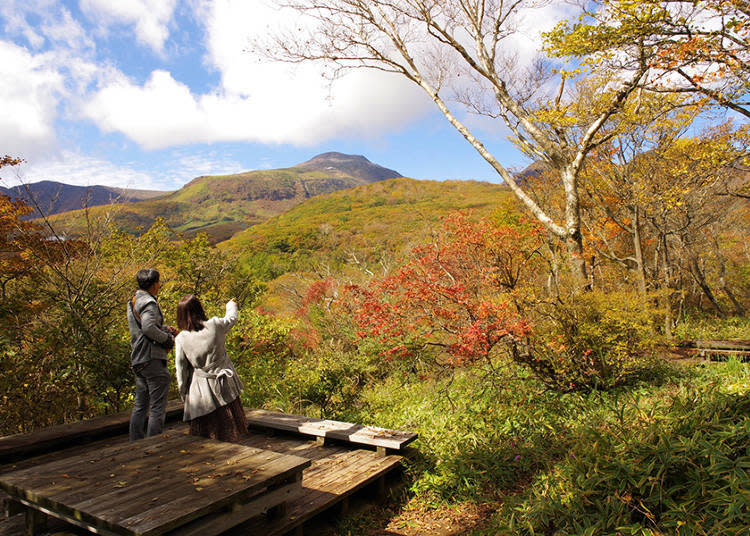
point(151, 391)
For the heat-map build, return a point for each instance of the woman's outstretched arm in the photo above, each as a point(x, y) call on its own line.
point(230, 318)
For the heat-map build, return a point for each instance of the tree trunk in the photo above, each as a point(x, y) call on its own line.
point(573, 236)
point(667, 304)
point(640, 264)
point(700, 278)
point(577, 262)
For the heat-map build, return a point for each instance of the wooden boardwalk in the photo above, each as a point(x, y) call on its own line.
point(336, 471)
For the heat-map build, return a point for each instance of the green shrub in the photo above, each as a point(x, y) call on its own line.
point(593, 340)
point(259, 348)
point(707, 327)
point(679, 468)
point(328, 383)
point(481, 431)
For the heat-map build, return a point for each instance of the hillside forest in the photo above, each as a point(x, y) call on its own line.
point(541, 371)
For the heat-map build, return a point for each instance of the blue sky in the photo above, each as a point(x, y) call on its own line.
point(152, 93)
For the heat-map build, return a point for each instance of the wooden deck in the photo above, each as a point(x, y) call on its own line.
point(20, 446)
point(174, 482)
point(336, 471)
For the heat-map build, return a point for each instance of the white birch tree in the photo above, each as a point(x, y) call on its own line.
point(460, 52)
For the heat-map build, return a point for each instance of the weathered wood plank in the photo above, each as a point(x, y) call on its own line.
point(146, 488)
point(36, 522)
point(200, 473)
point(190, 507)
point(742, 346)
point(66, 519)
point(84, 467)
point(334, 472)
point(323, 491)
point(200, 477)
point(219, 522)
point(20, 446)
point(339, 430)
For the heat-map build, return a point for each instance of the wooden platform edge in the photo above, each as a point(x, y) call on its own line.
point(284, 525)
point(26, 445)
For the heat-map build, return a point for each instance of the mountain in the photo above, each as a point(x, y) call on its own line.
point(350, 232)
point(55, 197)
point(352, 165)
point(533, 170)
point(222, 205)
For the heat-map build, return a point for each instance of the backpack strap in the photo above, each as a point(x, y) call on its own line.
point(135, 313)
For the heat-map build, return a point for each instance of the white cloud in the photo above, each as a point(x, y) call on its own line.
point(72, 167)
point(54, 24)
point(257, 101)
point(150, 18)
point(186, 167)
point(30, 90)
point(36, 82)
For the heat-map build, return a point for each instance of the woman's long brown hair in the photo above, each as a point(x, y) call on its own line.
point(190, 315)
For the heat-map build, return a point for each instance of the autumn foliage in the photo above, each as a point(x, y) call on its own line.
point(457, 295)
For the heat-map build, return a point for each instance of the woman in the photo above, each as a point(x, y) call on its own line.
point(206, 378)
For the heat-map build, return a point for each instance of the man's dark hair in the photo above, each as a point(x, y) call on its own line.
point(146, 278)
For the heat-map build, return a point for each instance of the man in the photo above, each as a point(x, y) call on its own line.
point(150, 341)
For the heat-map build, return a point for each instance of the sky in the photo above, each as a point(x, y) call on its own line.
point(149, 94)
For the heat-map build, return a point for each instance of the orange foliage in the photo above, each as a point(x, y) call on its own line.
point(456, 294)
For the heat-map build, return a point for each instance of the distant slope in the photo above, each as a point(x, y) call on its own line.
point(223, 205)
point(56, 197)
point(362, 227)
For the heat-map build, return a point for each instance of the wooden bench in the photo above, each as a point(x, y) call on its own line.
point(20, 446)
point(173, 484)
point(382, 439)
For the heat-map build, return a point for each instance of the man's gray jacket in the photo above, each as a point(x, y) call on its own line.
point(150, 340)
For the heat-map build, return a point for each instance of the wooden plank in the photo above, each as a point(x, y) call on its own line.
point(169, 516)
point(20, 446)
point(29, 484)
point(742, 346)
point(68, 519)
point(12, 508)
point(719, 351)
point(124, 498)
point(219, 522)
point(201, 472)
point(96, 446)
point(323, 491)
point(339, 430)
point(45, 477)
point(333, 473)
point(245, 472)
point(36, 521)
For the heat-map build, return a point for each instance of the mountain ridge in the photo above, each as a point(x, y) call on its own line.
point(224, 204)
point(54, 197)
